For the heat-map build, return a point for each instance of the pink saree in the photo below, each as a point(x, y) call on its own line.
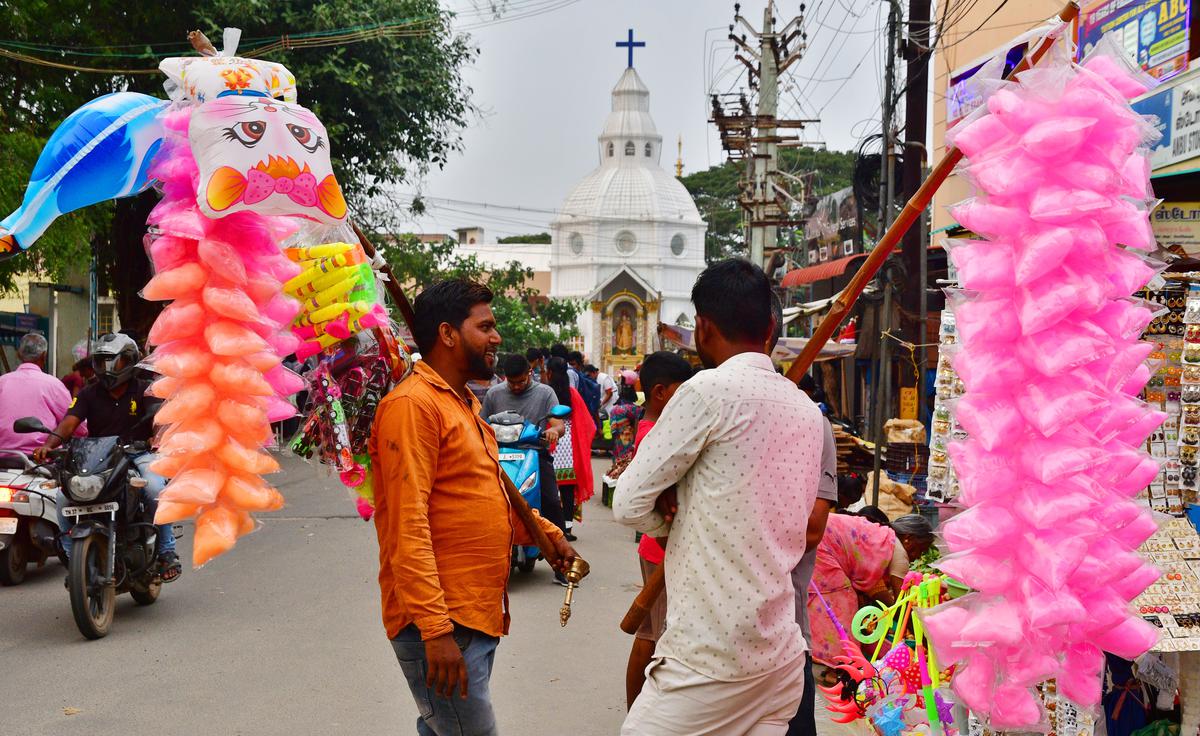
point(852, 556)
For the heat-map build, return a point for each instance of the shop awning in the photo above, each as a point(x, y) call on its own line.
point(820, 272)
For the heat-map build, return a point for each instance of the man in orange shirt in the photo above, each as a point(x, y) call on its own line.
point(445, 527)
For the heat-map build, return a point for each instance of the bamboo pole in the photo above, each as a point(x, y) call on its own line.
point(515, 499)
point(654, 587)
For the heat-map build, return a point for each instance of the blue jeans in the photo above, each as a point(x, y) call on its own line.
point(165, 539)
point(451, 716)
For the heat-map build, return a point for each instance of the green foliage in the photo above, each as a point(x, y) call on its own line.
point(393, 105)
point(716, 193)
point(523, 317)
point(543, 238)
point(66, 247)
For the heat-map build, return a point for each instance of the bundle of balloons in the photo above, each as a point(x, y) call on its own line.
point(240, 165)
point(900, 689)
point(1050, 355)
point(339, 297)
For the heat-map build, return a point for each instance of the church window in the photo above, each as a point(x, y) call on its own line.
point(649, 150)
point(630, 149)
point(576, 243)
point(678, 244)
point(610, 149)
point(625, 242)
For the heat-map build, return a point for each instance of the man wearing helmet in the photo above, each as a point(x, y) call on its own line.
point(114, 406)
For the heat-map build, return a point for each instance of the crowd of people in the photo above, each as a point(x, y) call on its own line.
point(729, 473)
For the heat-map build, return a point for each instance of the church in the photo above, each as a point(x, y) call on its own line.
point(628, 240)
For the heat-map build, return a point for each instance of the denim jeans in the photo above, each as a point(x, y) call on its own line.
point(451, 716)
point(165, 541)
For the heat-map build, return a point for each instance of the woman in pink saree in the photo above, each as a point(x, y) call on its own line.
point(854, 556)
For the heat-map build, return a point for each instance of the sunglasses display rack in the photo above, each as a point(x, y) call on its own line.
point(941, 484)
point(1175, 389)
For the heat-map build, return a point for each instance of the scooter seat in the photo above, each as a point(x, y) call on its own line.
point(11, 462)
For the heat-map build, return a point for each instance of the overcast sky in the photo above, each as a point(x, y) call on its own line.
point(543, 84)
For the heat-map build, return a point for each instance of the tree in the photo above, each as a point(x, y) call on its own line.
point(541, 238)
point(393, 104)
point(716, 193)
point(524, 318)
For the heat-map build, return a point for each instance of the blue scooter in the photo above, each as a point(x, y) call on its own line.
point(520, 442)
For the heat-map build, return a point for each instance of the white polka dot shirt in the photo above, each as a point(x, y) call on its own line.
point(743, 444)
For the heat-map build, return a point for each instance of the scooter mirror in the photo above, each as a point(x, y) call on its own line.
point(28, 425)
point(560, 411)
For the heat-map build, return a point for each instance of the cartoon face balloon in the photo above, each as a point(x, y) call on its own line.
point(260, 154)
point(199, 79)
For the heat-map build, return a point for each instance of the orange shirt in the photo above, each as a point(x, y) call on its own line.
point(445, 526)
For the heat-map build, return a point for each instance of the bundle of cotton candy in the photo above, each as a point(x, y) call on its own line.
point(219, 344)
point(1050, 356)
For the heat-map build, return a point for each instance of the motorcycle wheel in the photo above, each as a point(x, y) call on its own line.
point(526, 566)
point(92, 604)
point(13, 560)
point(147, 594)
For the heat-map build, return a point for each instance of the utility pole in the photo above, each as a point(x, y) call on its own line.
point(887, 177)
point(753, 136)
point(914, 251)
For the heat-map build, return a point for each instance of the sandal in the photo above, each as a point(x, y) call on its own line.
point(169, 567)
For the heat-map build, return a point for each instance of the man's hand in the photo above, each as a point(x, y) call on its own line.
point(446, 666)
point(552, 435)
point(667, 504)
point(566, 554)
point(41, 454)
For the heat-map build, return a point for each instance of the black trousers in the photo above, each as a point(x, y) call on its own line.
point(568, 501)
point(552, 508)
point(804, 723)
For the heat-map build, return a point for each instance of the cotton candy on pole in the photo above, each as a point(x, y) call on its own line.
point(1049, 359)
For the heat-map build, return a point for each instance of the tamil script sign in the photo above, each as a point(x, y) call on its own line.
point(1177, 109)
point(1178, 223)
point(1154, 34)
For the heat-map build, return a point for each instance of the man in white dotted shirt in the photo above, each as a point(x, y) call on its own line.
point(742, 446)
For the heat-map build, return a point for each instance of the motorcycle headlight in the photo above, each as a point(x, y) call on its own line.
point(85, 487)
point(507, 433)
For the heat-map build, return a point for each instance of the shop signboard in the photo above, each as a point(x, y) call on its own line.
point(833, 224)
point(1178, 223)
point(1177, 109)
point(1155, 33)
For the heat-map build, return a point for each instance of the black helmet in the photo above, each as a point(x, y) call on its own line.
point(114, 359)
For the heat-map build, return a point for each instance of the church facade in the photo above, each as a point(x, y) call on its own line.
point(628, 240)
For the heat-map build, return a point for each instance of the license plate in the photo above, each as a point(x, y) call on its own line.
point(96, 508)
point(8, 525)
point(511, 456)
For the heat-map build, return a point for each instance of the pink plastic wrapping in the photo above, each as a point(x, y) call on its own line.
point(1049, 354)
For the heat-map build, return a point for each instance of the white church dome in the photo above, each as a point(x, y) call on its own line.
point(629, 183)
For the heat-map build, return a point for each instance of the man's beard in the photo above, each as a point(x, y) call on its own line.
point(477, 366)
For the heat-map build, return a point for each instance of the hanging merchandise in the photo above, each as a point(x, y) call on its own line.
point(943, 483)
point(345, 389)
point(1048, 351)
point(337, 290)
point(239, 164)
point(1164, 392)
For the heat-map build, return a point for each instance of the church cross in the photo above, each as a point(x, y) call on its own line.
point(630, 44)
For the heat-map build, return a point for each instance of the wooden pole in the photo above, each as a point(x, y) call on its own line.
point(515, 499)
point(654, 587)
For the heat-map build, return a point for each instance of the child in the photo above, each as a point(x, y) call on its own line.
point(662, 373)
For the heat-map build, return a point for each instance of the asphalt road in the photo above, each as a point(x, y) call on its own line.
point(283, 636)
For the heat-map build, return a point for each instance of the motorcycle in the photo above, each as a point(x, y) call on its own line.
point(113, 540)
point(28, 517)
point(520, 442)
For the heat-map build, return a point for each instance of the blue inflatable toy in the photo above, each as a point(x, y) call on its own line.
point(102, 151)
